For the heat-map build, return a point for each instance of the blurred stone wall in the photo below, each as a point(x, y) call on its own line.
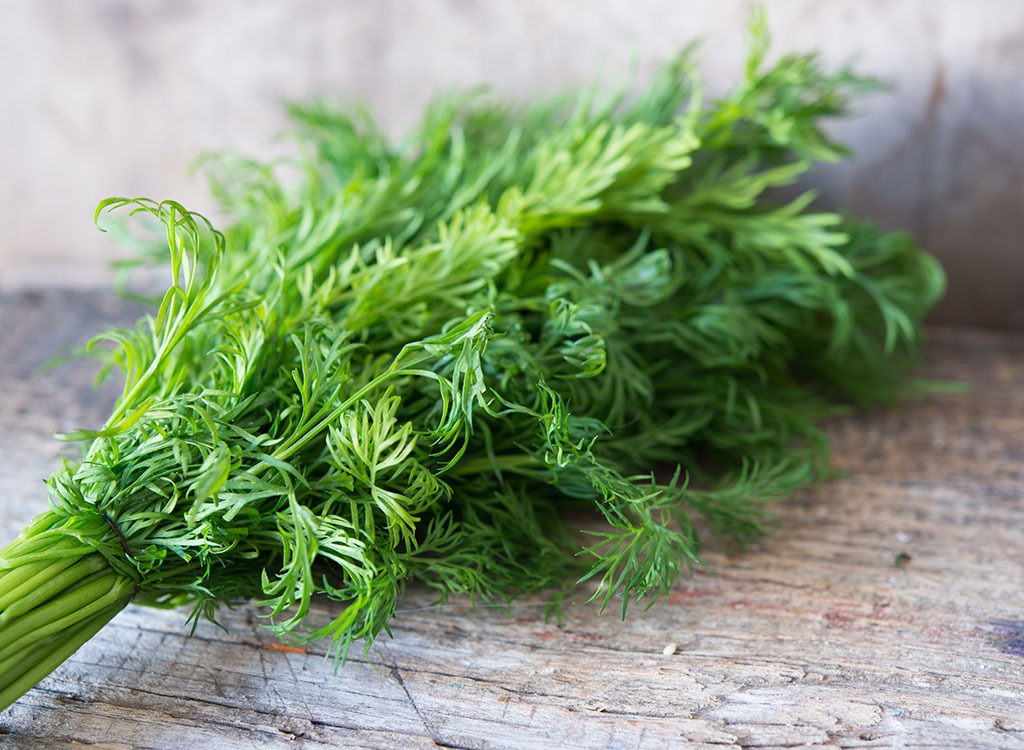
point(114, 97)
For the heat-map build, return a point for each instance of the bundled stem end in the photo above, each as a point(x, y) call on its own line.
point(56, 592)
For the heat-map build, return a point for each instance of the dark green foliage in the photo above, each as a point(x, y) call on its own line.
point(415, 361)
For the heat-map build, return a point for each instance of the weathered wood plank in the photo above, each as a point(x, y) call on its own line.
point(885, 609)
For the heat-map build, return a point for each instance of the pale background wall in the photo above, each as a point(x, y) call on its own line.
point(105, 97)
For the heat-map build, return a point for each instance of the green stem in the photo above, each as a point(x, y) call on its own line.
point(50, 654)
point(50, 606)
point(45, 580)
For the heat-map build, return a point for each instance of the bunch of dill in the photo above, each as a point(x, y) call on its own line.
point(413, 361)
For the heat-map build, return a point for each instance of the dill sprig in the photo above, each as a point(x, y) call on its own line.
point(415, 360)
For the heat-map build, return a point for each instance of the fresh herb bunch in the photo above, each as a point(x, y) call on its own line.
point(415, 361)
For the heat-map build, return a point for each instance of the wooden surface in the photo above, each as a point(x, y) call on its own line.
point(887, 608)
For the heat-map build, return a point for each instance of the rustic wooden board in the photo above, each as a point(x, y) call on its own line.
point(887, 608)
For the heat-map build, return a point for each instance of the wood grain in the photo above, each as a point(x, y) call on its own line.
point(884, 610)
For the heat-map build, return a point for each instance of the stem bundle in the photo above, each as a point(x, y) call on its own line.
point(56, 592)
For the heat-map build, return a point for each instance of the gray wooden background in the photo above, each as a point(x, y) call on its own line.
point(117, 97)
